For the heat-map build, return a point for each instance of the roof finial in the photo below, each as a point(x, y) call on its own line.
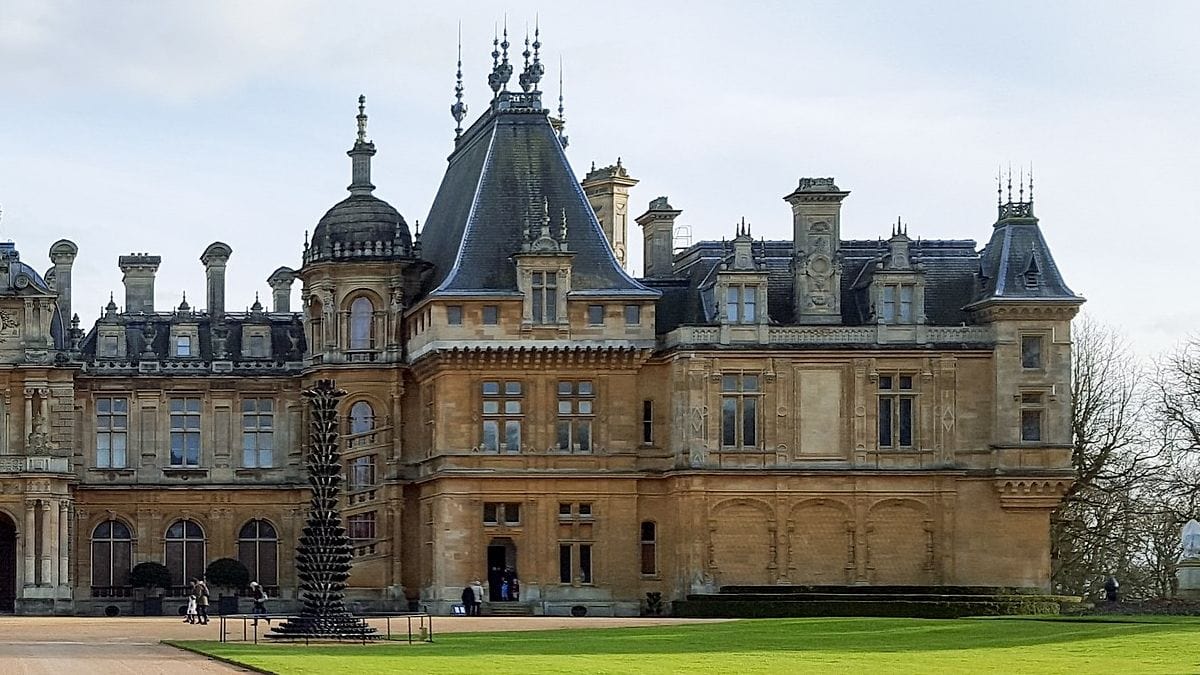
point(362, 118)
point(546, 218)
point(459, 110)
point(999, 185)
point(1031, 182)
point(494, 77)
point(562, 229)
point(524, 78)
point(1021, 185)
point(505, 70)
point(562, 119)
point(1010, 183)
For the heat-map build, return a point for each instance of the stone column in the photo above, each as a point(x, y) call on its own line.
point(49, 542)
point(31, 506)
point(64, 546)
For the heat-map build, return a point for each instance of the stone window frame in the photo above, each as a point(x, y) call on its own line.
point(258, 541)
point(1032, 406)
point(648, 422)
point(117, 335)
point(489, 315)
point(575, 413)
point(892, 392)
point(576, 562)
point(502, 514)
point(185, 414)
point(362, 472)
point(111, 540)
point(110, 432)
point(502, 409)
point(362, 527)
point(454, 315)
point(185, 538)
point(648, 544)
point(192, 334)
point(258, 432)
point(734, 392)
point(356, 321)
point(738, 297)
point(1042, 339)
point(633, 315)
point(592, 312)
point(249, 332)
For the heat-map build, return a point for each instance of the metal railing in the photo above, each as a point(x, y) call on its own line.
point(421, 631)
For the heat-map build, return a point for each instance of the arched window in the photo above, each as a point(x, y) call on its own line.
point(112, 553)
point(185, 551)
point(258, 547)
point(361, 317)
point(362, 418)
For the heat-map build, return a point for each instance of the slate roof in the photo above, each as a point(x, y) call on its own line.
point(1016, 263)
point(502, 169)
point(949, 268)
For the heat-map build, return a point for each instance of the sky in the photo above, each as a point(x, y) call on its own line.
point(161, 127)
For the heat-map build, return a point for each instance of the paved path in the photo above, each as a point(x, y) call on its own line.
point(121, 646)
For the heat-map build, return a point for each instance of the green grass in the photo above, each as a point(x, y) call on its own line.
point(1011, 645)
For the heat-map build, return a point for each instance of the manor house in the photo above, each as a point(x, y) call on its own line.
point(811, 411)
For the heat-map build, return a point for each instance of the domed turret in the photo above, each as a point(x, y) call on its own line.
point(362, 226)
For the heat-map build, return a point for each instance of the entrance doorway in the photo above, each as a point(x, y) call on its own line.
point(8, 563)
point(502, 570)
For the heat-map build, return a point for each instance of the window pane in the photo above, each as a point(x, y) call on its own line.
point(102, 563)
point(647, 422)
point(648, 531)
point(193, 405)
point(1031, 351)
point(906, 300)
point(728, 421)
point(906, 422)
point(585, 509)
point(564, 407)
point(885, 381)
point(585, 563)
point(748, 303)
point(268, 563)
point(454, 315)
point(633, 315)
point(564, 436)
point(906, 382)
point(585, 388)
point(551, 306)
point(731, 304)
point(1031, 425)
point(649, 566)
point(512, 514)
point(491, 315)
point(585, 407)
point(512, 388)
point(512, 436)
point(566, 388)
point(537, 304)
point(885, 422)
point(564, 563)
point(122, 562)
point(512, 407)
point(176, 448)
point(489, 513)
point(491, 436)
point(595, 314)
point(491, 407)
point(564, 509)
point(729, 383)
point(583, 436)
point(888, 312)
point(102, 405)
point(749, 421)
point(491, 388)
point(750, 383)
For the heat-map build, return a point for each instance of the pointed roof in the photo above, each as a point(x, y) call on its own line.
point(505, 171)
point(1016, 264)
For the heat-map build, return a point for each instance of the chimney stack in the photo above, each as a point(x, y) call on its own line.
point(214, 258)
point(139, 269)
point(658, 237)
point(62, 254)
point(816, 250)
point(607, 190)
point(281, 289)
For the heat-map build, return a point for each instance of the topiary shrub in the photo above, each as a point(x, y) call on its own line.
point(227, 573)
point(150, 575)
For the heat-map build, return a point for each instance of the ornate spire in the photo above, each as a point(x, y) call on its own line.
point(533, 70)
point(562, 119)
point(505, 69)
point(562, 229)
point(494, 77)
point(360, 155)
point(459, 110)
point(524, 77)
point(1031, 182)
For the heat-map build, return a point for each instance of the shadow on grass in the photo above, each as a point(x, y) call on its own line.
point(847, 636)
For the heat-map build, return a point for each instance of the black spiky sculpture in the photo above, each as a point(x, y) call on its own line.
point(323, 552)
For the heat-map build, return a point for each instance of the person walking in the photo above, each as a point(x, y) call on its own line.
point(190, 612)
point(259, 595)
point(468, 600)
point(477, 606)
point(201, 589)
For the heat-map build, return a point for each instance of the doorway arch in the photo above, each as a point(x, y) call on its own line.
point(8, 563)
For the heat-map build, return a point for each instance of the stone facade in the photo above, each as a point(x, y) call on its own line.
point(814, 411)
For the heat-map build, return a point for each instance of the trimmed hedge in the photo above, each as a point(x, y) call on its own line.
point(924, 609)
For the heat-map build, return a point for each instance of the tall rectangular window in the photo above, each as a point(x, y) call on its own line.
point(545, 297)
point(647, 422)
point(575, 562)
point(185, 432)
point(112, 432)
point(585, 563)
point(502, 413)
point(906, 304)
point(649, 539)
point(1031, 352)
point(576, 408)
point(887, 303)
point(896, 403)
point(258, 433)
point(741, 304)
point(564, 563)
point(740, 395)
point(183, 345)
point(1032, 408)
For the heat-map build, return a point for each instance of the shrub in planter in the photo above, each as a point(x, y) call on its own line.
point(228, 575)
point(150, 577)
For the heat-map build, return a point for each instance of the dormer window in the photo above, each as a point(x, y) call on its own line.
point(741, 304)
point(258, 345)
point(108, 346)
point(183, 345)
point(545, 297)
point(896, 303)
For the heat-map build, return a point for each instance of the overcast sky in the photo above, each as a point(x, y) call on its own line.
point(164, 126)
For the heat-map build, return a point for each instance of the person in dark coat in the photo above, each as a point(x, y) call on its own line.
point(468, 600)
point(1110, 589)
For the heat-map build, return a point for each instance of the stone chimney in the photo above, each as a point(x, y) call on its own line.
point(62, 254)
point(607, 190)
point(139, 269)
point(816, 250)
point(281, 289)
point(214, 258)
point(658, 238)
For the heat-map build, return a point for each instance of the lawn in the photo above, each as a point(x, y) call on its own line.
point(824, 645)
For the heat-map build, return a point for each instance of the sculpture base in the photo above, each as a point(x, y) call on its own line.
point(339, 627)
point(1187, 572)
